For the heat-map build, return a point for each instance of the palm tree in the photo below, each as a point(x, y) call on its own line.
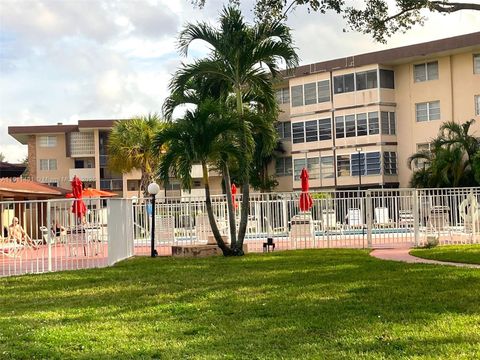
point(450, 163)
point(202, 136)
point(245, 59)
point(130, 147)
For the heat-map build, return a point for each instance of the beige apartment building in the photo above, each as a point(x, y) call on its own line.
point(356, 120)
point(56, 153)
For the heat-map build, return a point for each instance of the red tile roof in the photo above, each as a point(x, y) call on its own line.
point(23, 186)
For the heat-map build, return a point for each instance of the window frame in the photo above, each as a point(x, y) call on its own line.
point(294, 97)
point(47, 141)
point(476, 63)
point(428, 110)
point(425, 68)
point(312, 99)
point(321, 85)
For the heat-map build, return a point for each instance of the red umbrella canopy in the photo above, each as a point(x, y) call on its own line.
point(306, 201)
point(234, 191)
point(78, 207)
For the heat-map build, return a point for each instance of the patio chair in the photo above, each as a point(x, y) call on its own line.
point(165, 228)
point(354, 217)
point(405, 218)
point(10, 248)
point(203, 230)
point(381, 217)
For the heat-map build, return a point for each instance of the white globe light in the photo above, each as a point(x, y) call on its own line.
point(153, 189)
point(134, 199)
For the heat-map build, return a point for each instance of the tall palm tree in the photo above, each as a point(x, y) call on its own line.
point(202, 136)
point(130, 147)
point(245, 59)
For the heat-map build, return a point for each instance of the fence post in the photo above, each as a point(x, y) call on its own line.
point(415, 216)
point(49, 236)
point(368, 199)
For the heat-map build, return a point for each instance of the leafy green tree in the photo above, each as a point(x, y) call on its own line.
point(378, 18)
point(451, 161)
point(203, 136)
point(2, 157)
point(130, 147)
point(244, 60)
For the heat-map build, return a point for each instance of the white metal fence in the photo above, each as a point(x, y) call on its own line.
point(352, 219)
point(55, 239)
point(48, 236)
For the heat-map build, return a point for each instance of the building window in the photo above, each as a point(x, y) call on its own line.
point(425, 72)
point(311, 130)
point(350, 126)
point(298, 132)
point(424, 148)
point(390, 163)
point(48, 164)
point(323, 91)
point(284, 129)
point(476, 64)
point(133, 185)
point(283, 166)
point(297, 95)
point(343, 165)
point(427, 111)
point(325, 129)
point(366, 80)
point(310, 91)
point(47, 141)
point(477, 105)
point(326, 169)
point(343, 83)
point(362, 128)
point(388, 122)
point(387, 79)
point(283, 95)
point(313, 168)
point(373, 125)
point(298, 165)
point(372, 163)
point(339, 127)
point(356, 164)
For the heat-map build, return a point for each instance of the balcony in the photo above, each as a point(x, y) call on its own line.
point(87, 174)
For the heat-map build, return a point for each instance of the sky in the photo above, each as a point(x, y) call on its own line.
point(65, 60)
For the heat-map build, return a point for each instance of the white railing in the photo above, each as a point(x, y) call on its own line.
point(55, 239)
point(343, 219)
point(49, 237)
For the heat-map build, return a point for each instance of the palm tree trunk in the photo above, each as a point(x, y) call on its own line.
point(211, 218)
point(246, 180)
point(145, 180)
point(231, 210)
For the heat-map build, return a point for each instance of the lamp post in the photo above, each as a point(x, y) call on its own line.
point(359, 150)
point(153, 190)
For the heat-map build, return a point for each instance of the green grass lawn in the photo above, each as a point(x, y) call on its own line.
point(317, 304)
point(458, 253)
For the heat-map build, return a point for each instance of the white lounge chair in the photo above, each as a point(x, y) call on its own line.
point(354, 217)
point(381, 217)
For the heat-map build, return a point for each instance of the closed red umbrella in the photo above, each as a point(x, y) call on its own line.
point(305, 198)
point(234, 191)
point(78, 207)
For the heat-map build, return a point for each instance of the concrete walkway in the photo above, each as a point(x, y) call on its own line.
point(401, 254)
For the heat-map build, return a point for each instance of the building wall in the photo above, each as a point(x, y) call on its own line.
point(455, 88)
point(58, 152)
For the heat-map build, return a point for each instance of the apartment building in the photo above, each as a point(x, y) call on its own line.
point(56, 153)
point(354, 121)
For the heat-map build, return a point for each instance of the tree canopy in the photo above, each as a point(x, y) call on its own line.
point(378, 18)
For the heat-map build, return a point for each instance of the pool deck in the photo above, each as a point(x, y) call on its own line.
point(403, 255)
